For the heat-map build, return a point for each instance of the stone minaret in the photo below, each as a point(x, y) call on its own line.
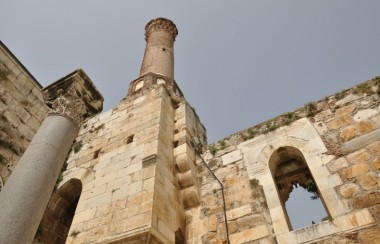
point(159, 52)
point(134, 177)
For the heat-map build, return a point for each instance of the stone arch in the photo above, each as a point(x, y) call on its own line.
point(60, 212)
point(289, 169)
point(302, 136)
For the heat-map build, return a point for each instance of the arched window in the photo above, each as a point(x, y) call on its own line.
point(290, 171)
point(59, 213)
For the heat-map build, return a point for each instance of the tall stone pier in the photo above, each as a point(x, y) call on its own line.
point(26, 194)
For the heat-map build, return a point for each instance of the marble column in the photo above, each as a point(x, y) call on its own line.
point(26, 194)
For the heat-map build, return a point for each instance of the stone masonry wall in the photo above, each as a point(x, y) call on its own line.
point(125, 161)
point(22, 110)
point(339, 137)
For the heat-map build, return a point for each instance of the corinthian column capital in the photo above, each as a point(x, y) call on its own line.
point(74, 96)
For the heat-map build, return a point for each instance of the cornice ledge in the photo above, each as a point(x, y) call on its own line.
point(74, 96)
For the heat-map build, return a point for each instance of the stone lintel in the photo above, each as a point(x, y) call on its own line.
point(74, 96)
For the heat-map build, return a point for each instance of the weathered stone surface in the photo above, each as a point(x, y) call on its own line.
point(231, 157)
point(337, 164)
point(375, 164)
point(368, 181)
point(360, 141)
point(365, 114)
point(348, 190)
point(345, 110)
point(238, 212)
point(370, 236)
point(361, 156)
point(249, 235)
point(375, 148)
point(338, 123)
point(348, 133)
point(355, 170)
point(365, 127)
point(366, 200)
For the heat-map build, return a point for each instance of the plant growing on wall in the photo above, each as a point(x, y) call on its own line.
point(213, 150)
point(77, 146)
point(311, 187)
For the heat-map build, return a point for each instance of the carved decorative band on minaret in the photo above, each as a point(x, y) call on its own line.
point(161, 23)
point(74, 96)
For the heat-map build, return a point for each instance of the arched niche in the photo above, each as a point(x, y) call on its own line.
point(302, 141)
point(59, 213)
point(290, 170)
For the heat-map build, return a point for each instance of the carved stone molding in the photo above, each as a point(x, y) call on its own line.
point(163, 24)
point(74, 96)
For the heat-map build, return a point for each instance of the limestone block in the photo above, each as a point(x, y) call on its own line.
point(105, 179)
point(358, 157)
point(146, 206)
point(338, 123)
point(365, 127)
point(232, 157)
point(348, 190)
point(355, 170)
point(320, 127)
point(250, 235)
point(190, 196)
point(323, 115)
point(183, 162)
point(349, 98)
point(360, 142)
point(375, 165)
point(33, 123)
point(333, 204)
point(22, 113)
point(366, 200)
point(280, 226)
point(337, 164)
point(94, 192)
point(117, 183)
point(98, 200)
point(348, 133)
point(212, 223)
point(26, 131)
point(345, 110)
point(166, 231)
point(375, 148)
point(84, 215)
point(239, 212)
point(368, 181)
point(326, 181)
point(353, 220)
point(186, 179)
point(365, 114)
point(12, 118)
point(129, 170)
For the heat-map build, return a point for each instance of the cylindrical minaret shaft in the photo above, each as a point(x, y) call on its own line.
point(159, 52)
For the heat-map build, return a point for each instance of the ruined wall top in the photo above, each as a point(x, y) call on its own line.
point(161, 24)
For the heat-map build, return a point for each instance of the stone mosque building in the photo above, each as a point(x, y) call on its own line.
point(143, 172)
